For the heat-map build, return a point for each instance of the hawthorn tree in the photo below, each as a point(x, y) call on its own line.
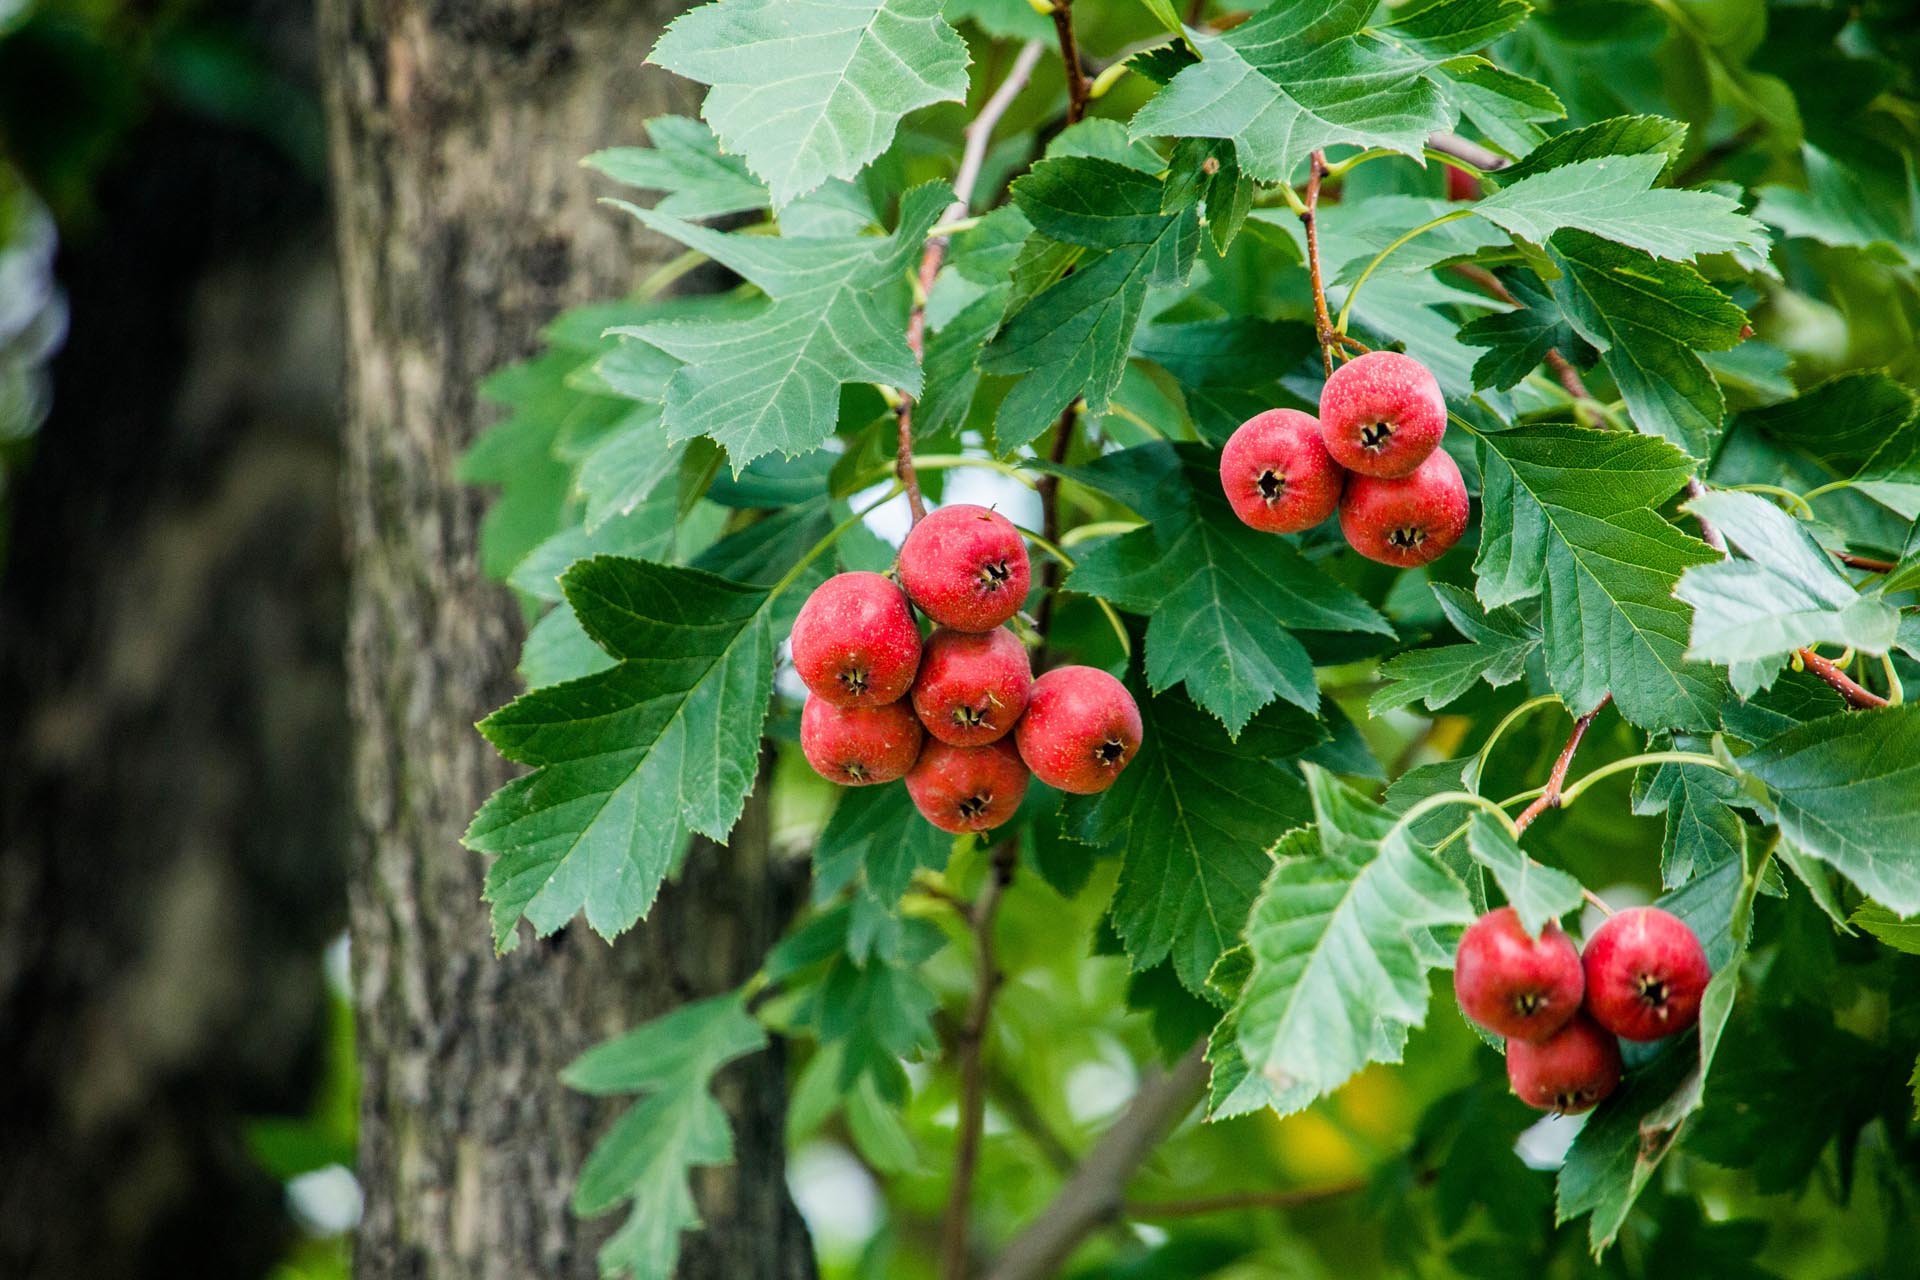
point(1659, 263)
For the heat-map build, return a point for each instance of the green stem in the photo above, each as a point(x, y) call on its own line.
point(1041, 541)
point(1097, 529)
point(1778, 492)
point(832, 536)
point(1832, 486)
point(1445, 798)
point(1612, 767)
point(1750, 889)
point(1508, 803)
point(1346, 308)
point(1896, 694)
point(1486, 748)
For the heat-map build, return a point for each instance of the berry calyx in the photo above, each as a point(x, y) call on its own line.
point(855, 643)
point(859, 746)
point(1410, 521)
point(1646, 971)
point(972, 686)
point(1517, 986)
point(1081, 729)
point(1382, 414)
point(966, 567)
point(1571, 1071)
point(961, 789)
point(1277, 473)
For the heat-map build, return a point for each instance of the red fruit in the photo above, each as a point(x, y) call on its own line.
point(1382, 414)
point(1461, 185)
point(1645, 972)
point(1513, 985)
point(966, 568)
point(1410, 521)
point(972, 686)
point(858, 746)
point(1081, 729)
point(1277, 472)
point(967, 788)
point(855, 643)
point(1571, 1071)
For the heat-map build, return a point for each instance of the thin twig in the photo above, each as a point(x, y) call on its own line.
point(1290, 1198)
point(979, 132)
point(1857, 697)
point(1309, 218)
point(973, 1080)
point(1077, 86)
point(1450, 144)
point(1868, 563)
point(1550, 798)
point(1049, 487)
point(1095, 1192)
point(1708, 534)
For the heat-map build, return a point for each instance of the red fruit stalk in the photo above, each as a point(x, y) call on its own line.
point(1081, 729)
point(1646, 972)
point(859, 746)
point(1382, 414)
point(966, 567)
point(1410, 521)
point(961, 789)
point(972, 686)
point(1571, 1071)
point(1514, 985)
point(1277, 473)
point(855, 643)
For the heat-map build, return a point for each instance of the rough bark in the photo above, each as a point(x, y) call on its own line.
point(464, 224)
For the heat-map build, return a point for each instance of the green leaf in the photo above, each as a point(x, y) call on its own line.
point(1340, 949)
point(1196, 813)
point(836, 313)
point(1206, 172)
point(809, 90)
point(1228, 369)
point(648, 1154)
point(1570, 512)
point(685, 162)
point(1865, 424)
point(1897, 932)
point(1784, 595)
point(627, 761)
point(1537, 893)
point(1303, 76)
point(1221, 599)
point(1614, 198)
point(1847, 791)
point(1849, 206)
point(1497, 645)
point(1616, 136)
point(1518, 340)
point(876, 829)
point(1008, 19)
point(1625, 1140)
point(1648, 318)
point(1702, 830)
point(1069, 338)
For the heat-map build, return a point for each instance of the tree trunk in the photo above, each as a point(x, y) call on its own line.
point(464, 224)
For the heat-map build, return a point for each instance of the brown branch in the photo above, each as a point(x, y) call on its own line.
point(1077, 84)
point(1309, 218)
point(1095, 1192)
point(972, 157)
point(1450, 144)
point(1291, 1198)
point(1857, 697)
point(971, 1051)
point(1049, 487)
point(1708, 534)
point(1550, 798)
point(1866, 562)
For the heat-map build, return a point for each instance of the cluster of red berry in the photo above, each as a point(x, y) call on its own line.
point(1381, 418)
point(958, 715)
point(1640, 978)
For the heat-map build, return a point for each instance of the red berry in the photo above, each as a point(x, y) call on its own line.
point(1571, 1071)
point(1410, 521)
point(1081, 729)
point(1277, 473)
point(966, 568)
point(1382, 414)
point(972, 686)
point(967, 788)
point(855, 643)
point(1513, 985)
point(857, 746)
point(1646, 971)
point(1461, 185)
